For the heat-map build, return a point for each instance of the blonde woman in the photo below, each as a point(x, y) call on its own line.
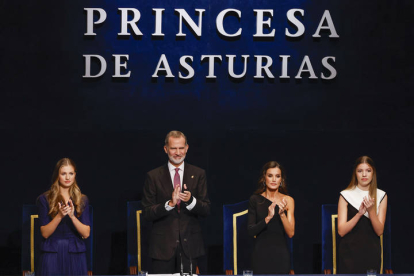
point(361, 216)
point(64, 224)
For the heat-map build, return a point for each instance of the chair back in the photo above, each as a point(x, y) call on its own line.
point(386, 241)
point(89, 244)
point(31, 239)
point(138, 231)
point(237, 244)
point(330, 239)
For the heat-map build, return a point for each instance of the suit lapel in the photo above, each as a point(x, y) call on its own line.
point(187, 177)
point(167, 185)
point(166, 181)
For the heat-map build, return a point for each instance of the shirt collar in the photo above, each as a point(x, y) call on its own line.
point(171, 167)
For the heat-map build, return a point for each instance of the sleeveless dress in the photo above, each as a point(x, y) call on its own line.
point(64, 252)
point(270, 253)
point(360, 249)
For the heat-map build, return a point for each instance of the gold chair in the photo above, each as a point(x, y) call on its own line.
point(330, 238)
point(237, 244)
point(31, 239)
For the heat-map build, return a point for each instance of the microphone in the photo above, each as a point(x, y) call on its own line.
point(191, 261)
point(191, 266)
point(181, 266)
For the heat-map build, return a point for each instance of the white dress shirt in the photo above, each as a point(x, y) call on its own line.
point(171, 169)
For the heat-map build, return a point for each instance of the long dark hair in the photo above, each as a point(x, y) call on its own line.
point(270, 165)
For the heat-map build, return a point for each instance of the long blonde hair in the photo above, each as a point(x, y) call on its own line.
point(53, 195)
point(372, 185)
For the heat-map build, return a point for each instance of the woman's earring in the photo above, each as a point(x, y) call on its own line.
point(264, 184)
point(281, 184)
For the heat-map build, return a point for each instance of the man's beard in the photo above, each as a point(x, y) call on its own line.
point(176, 161)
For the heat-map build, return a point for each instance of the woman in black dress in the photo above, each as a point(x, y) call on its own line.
point(270, 219)
point(361, 216)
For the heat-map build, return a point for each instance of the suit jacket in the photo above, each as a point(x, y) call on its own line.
point(171, 227)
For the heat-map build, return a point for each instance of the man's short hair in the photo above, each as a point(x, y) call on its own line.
point(174, 134)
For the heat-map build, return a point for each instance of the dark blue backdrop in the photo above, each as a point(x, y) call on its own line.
point(114, 128)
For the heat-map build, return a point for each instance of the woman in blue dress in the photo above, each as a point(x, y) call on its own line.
point(64, 224)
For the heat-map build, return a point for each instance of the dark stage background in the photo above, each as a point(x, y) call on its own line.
point(114, 128)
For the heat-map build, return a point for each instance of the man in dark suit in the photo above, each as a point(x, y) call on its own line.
point(175, 196)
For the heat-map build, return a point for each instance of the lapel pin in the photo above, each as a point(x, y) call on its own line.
point(192, 176)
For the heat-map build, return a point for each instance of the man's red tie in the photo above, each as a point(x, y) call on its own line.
point(177, 184)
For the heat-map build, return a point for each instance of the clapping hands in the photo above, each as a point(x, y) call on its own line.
point(175, 197)
point(178, 196)
point(66, 209)
point(369, 203)
point(366, 205)
point(271, 210)
point(185, 196)
point(362, 209)
point(282, 206)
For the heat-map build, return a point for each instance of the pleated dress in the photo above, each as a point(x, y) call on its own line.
point(64, 252)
